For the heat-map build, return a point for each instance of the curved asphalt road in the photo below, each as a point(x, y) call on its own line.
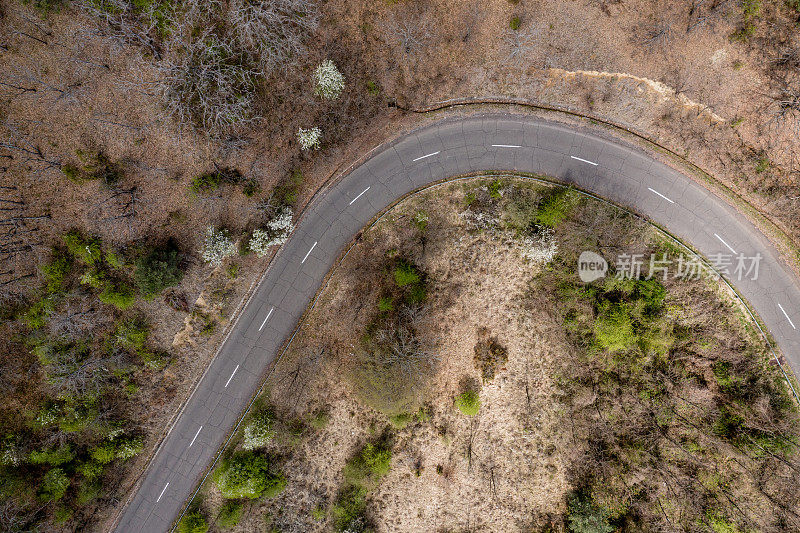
point(494, 142)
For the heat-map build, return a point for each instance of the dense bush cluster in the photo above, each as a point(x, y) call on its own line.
point(217, 55)
point(394, 356)
point(248, 475)
point(362, 473)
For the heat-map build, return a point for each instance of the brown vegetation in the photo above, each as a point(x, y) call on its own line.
point(635, 405)
point(105, 129)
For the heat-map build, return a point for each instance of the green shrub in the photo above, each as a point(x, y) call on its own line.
point(36, 315)
point(54, 485)
point(55, 271)
point(247, 475)
point(401, 420)
point(515, 23)
point(53, 457)
point(88, 250)
point(554, 207)
point(131, 334)
point(320, 419)
point(250, 187)
point(405, 274)
point(368, 466)
point(193, 522)
point(257, 432)
point(585, 517)
point(421, 221)
point(351, 505)
point(45, 7)
point(229, 514)
point(762, 164)
point(62, 515)
point(87, 492)
point(494, 189)
point(385, 304)
point(104, 453)
point(127, 447)
point(205, 183)
point(90, 470)
point(157, 270)
point(416, 294)
point(613, 329)
point(468, 402)
point(729, 425)
point(118, 294)
point(211, 181)
point(374, 90)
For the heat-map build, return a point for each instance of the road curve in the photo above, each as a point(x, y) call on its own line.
point(497, 142)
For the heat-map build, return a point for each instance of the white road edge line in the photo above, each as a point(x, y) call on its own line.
point(195, 436)
point(309, 252)
point(424, 156)
point(584, 160)
point(271, 309)
point(506, 146)
point(359, 196)
point(162, 492)
point(230, 378)
point(787, 316)
point(661, 195)
point(725, 243)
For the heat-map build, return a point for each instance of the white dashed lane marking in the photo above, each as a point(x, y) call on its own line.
point(787, 316)
point(195, 436)
point(162, 492)
point(359, 196)
point(584, 160)
point(271, 309)
point(309, 252)
point(230, 378)
point(661, 195)
point(506, 146)
point(725, 243)
point(424, 156)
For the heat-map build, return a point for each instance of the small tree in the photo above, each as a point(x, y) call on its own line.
point(586, 517)
point(158, 270)
point(330, 82)
point(247, 475)
point(309, 138)
point(193, 522)
point(54, 485)
point(468, 402)
point(275, 233)
point(217, 246)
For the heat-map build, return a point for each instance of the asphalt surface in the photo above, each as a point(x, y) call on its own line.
point(452, 147)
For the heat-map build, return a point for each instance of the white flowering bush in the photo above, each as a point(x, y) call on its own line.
point(309, 138)
point(330, 82)
point(47, 417)
point(128, 447)
point(11, 455)
point(275, 232)
point(217, 246)
point(258, 432)
point(542, 247)
point(538, 247)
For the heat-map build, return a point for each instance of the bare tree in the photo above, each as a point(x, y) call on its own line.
point(274, 31)
point(520, 43)
point(411, 33)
